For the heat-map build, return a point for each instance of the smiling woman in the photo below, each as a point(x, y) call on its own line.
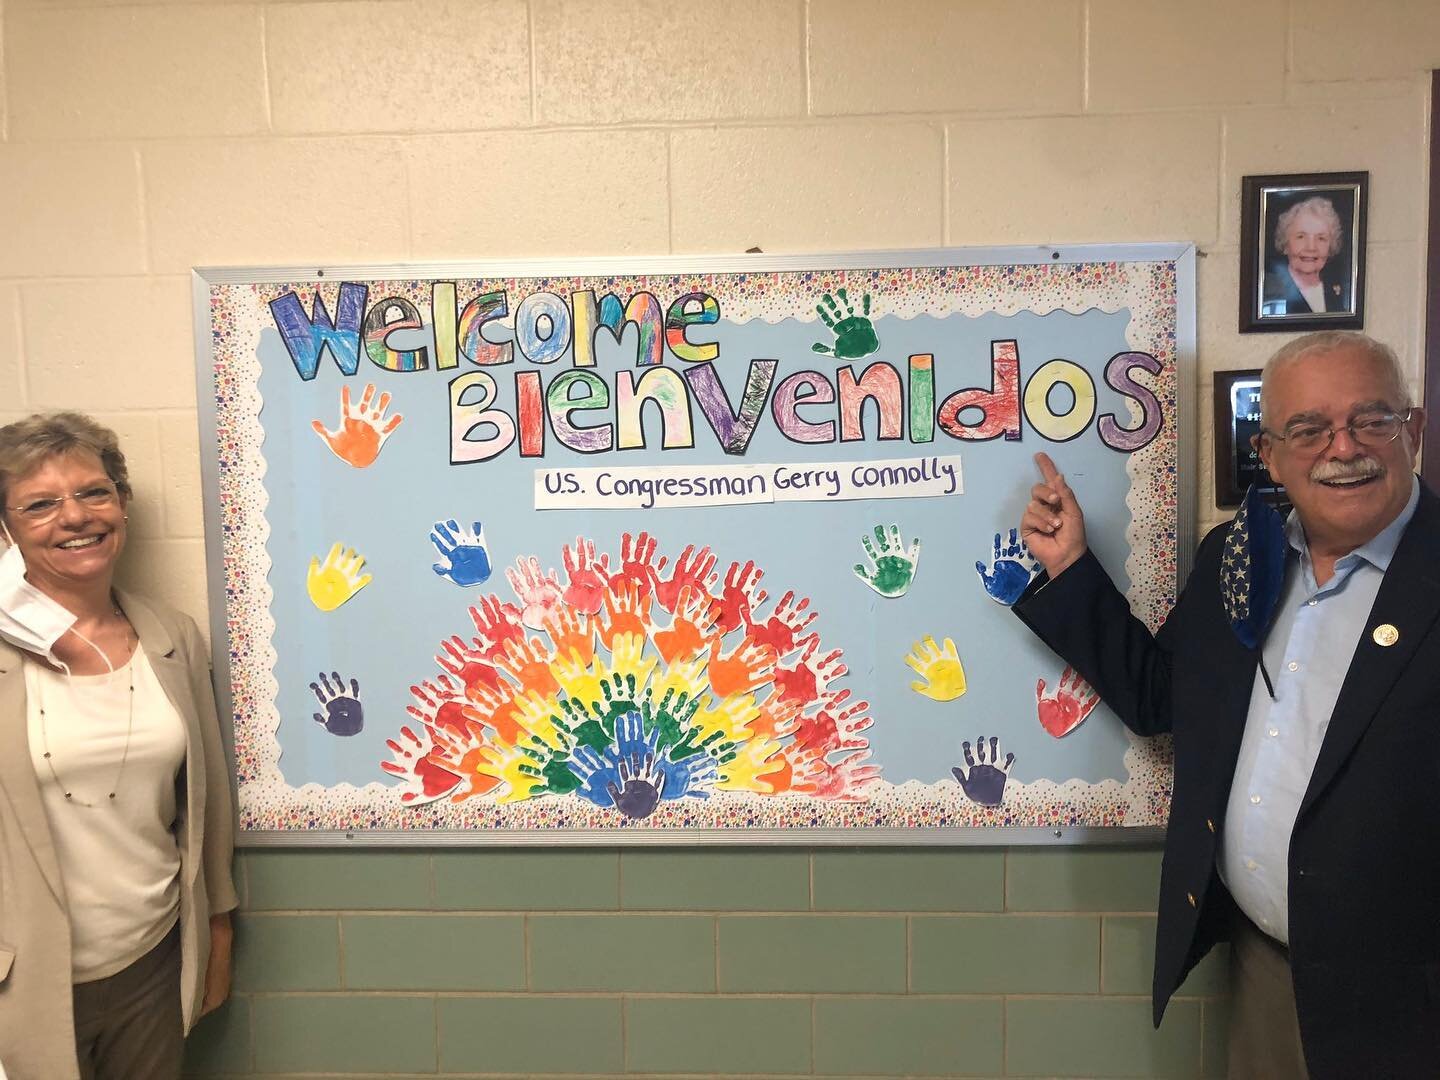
point(115, 863)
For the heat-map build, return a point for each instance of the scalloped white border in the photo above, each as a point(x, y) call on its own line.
point(267, 803)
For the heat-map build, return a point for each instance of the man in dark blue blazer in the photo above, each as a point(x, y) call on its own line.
point(1300, 676)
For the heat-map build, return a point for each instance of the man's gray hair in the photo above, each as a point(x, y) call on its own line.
point(1327, 341)
point(1321, 207)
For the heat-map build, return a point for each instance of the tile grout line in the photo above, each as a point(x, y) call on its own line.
point(340, 947)
point(265, 92)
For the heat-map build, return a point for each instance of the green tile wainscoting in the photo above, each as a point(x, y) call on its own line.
point(550, 962)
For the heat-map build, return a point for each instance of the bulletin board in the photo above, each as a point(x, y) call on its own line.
point(684, 550)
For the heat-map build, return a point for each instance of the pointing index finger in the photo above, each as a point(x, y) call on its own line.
point(1048, 472)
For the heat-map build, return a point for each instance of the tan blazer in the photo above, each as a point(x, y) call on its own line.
point(37, 1030)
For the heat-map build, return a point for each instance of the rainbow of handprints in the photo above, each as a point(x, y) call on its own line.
point(647, 683)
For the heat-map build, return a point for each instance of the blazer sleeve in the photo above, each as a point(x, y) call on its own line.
point(218, 836)
point(1086, 620)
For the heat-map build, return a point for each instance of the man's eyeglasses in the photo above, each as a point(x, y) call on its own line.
point(1371, 429)
point(95, 497)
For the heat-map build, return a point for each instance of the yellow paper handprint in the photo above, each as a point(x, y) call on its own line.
point(337, 579)
point(754, 763)
point(944, 677)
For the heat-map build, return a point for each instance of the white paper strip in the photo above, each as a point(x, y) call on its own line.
point(722, 485)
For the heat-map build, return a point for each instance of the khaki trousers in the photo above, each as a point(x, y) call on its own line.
point(130, 1025)
point(1264, 1027)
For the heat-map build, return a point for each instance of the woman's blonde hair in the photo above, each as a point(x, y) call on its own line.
point(25, 444)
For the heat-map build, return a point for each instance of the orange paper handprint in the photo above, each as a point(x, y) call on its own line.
point(690, 634)
point(363, 429)
point(627, 611)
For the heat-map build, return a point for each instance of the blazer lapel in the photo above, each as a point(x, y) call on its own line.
point(174, 678)
point(1409, 601)
point(159, 649)
point(17, 774)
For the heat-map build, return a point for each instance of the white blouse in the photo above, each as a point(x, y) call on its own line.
point(118, 857)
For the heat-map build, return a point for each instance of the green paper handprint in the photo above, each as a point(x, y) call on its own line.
point(892, 567)
point(854, 335)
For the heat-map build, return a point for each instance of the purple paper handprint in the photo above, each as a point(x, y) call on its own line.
point(344, 715)
point(633, 773)
point(464, 558)
point(640, 788)
point(1010, 570)
point(984, 780)
point(636, 792)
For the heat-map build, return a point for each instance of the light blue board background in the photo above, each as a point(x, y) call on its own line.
point(388, 635)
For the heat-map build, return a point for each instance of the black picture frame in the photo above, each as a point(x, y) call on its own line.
point(1279, 288)
point(1237, 419)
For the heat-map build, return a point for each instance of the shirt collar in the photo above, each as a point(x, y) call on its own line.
point(1379, 549)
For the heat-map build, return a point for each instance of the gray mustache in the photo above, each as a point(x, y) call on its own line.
point(1359, 469)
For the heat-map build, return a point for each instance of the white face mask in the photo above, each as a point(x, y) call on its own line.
point(29, 619)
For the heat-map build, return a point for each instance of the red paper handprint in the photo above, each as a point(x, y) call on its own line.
point(781, 629)
point(739, 597)
point(830, 728)
point(442, 705)
point(539, 590)
point(586, 575)
point(422, 780)
point(498, 623)
point(466, 663)
point(809, 677)
point(472, 759)
point(1074, 700)
point(817, 775)
point(635, 563)
point(690, 572)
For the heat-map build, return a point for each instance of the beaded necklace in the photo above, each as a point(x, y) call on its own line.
point(129, 731)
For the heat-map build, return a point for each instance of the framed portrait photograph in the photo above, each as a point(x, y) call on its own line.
point(1302, 252)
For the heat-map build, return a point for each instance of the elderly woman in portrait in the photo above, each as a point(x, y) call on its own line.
point(1304, 281)
point(115, 806)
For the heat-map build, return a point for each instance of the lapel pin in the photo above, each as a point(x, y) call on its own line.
point(1385, 635)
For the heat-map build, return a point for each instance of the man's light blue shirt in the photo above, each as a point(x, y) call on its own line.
point(1307, 654)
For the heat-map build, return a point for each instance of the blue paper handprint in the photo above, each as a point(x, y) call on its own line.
point(596, 775)
point(638, 791)
point(633, 773)
point(983, 781)
point(686, 777)
point(344, 715)
point(626, 775)
point(1009, 572)
point(463, 556)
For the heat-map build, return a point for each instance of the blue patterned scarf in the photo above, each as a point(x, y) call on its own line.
point(1252, 570)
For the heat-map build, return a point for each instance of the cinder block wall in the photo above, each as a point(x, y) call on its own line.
point(140, 139)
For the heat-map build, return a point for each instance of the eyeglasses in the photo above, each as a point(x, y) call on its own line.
point(1371, 429)
point(95, 497)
